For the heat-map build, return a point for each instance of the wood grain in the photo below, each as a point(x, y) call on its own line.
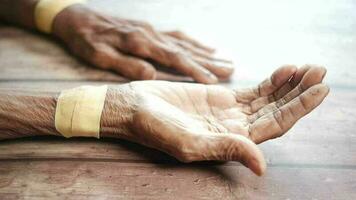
point(107, 180)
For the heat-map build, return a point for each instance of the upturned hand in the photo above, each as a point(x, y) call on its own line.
point(195, 122)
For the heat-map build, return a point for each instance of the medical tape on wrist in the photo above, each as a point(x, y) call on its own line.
point(78, 111)
point(47, 10)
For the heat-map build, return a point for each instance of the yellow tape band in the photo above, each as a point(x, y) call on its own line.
point(78, 111)
point(47, 10)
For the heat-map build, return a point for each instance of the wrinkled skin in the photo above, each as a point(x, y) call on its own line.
point(125, 46)
point(195, 122)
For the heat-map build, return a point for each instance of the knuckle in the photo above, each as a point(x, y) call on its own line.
point(278, 115)
point(135, 34)
point(82, 44)
point(86, 35)
point(136, 42)
point(100, 57)
point(97, 56)
point(172, 56)
point(280, 102)
point(138, 48)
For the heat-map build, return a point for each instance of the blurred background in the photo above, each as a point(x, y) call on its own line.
point(260, 35)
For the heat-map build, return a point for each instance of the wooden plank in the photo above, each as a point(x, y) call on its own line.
point(326, 151)
point(41, 148)
point(107, 180)
point(314, 149)
point(325, 137)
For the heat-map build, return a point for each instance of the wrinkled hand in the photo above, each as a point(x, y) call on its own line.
point(195, 122)
point(125, 46)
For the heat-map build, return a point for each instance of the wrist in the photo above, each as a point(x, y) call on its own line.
point(119, 108)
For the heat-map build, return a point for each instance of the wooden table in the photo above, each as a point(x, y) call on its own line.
point(315, 160)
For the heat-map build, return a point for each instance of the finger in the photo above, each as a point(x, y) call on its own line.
point(232, 147)
point(306, 77)
point(277, 79)
point(134, 68)
point(293, 82)
point(200, 53)
point(182, 62)
point(181, 36)
point(220, 69)
point(197, 71)
point(312, 77)
point(268, 86)
point(189, 47)
point(129, 66)
point(275, 124)
point(142, 44)
point(197, 52)
point(149, 28)
point(143, 27)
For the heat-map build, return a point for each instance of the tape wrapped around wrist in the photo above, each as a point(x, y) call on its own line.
point(78, 111)
point(47, 10)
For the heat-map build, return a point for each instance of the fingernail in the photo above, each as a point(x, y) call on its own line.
point(212, 77)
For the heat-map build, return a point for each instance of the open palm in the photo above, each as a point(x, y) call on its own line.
point(194, 122)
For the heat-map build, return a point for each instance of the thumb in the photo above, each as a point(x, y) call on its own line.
point(232, 147)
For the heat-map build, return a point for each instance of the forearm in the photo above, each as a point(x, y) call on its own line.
point(18, 12)
point(30, 113)
point(26, 114)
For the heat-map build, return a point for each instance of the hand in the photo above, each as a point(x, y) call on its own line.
point(195, 122)
point(125, 46)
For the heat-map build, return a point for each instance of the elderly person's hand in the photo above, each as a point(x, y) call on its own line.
point(195, 122)
point(125, 46)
